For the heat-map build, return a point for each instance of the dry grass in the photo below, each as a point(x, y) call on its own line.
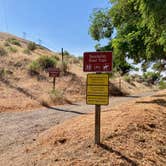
point(20, 91)
point(132, 134)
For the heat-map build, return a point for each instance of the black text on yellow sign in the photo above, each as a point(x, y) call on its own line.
point(97, 100)
point(98, 79)
point(97, 89)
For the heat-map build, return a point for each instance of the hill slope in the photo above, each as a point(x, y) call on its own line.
point(21, 90)
point(25, 84)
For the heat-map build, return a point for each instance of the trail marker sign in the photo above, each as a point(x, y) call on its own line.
point(53, 72)
point(97, 91)
point(97, 62)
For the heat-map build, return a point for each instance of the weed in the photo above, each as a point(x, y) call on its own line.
point(12, 49)
point(6, 44)
point(56, 95)
point(34, 68)
point(162, 84)
point(2, 51)
point(31, 46)
point(128, 78)
point(46, 62)
point(27, 51)
point(13, 41)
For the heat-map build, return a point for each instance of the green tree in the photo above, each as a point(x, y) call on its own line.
point(140, 28)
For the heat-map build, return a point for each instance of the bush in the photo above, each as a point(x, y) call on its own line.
point(128, 78)
point(42, 63)
point(56, 96)
point(13, 41)
point(46, 62)
point(31, 46)
point(162, 84)
point(6, 44)
point(34, 68)
point(27, 51)
point(2, 51)
point(12, 49)
point(151, 77)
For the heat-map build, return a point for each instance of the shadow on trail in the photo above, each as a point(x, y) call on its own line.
point(21, 90)
point(63, 110)
point(123, 157)
point(160, 102)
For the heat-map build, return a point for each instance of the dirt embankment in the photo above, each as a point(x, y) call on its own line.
point(132, 134)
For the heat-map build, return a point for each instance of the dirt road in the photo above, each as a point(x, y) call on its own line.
point(21, 128)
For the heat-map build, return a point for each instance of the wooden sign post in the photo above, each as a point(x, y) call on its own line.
point(54, 72)
point(97, 92)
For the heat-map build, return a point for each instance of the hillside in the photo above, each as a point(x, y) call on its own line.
point(25, 84)
point(21, 90)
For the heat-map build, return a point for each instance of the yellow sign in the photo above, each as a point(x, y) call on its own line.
point(97, 90)
point(98, 79)
point(97, 100)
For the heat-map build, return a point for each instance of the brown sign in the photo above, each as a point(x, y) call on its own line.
point(54, 72)
point(97, 62)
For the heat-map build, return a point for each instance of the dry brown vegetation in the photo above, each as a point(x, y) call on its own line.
point(22, 91)
point(132, 134)
point(25, 87)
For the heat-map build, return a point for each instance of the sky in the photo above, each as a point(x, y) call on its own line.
point(55, 23)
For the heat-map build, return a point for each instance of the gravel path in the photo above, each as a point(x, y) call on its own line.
point(21, 128)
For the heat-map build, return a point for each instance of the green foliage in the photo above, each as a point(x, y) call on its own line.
point(162, 84)
point(140, 28)
point(47, 62)
point(2, 52)
point(128, 78)
point(34, 68)
point(42, 63)
point(27, 51)
point(31, 46)
point(3, 73)
point(12, 49)
point(101, 25)
point(151, 77)
point(13, 41)
point(66, 53)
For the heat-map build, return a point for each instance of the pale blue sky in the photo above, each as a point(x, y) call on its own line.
point(58, 23)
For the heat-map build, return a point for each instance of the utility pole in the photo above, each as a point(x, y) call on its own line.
point(24, 35)
point(62, 55)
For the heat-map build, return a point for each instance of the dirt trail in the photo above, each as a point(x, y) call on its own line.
point(21, 128)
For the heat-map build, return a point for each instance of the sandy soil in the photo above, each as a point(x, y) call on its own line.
point(133, 133)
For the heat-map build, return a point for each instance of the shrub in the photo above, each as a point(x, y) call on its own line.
point(151, 77)
point(46, 62)
point(31, 46)
point(56, 96)
point(63, 67)
point(12, 49)
point(162, 84)
point(128, 78)
point(6, 44)
point(3, 73)
point(2, 51)
point(34, 68)
point(27, 51)
point(13, 41)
